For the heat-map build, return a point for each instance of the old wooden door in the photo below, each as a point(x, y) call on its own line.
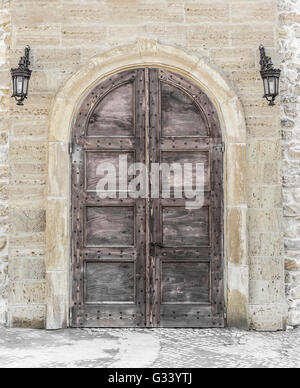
point(148, 261)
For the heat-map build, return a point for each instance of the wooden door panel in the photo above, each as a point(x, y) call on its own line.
point(94, 159)
point(109, 226)
point(183, 227)
point(110, 282)
point(185, 282)
point(180, 114)
point(113, 115)
point(184, 158)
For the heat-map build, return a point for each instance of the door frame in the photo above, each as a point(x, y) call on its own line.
point(146, 53)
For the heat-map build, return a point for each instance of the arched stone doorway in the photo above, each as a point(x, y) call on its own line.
point(152, 255)
point(146, 53)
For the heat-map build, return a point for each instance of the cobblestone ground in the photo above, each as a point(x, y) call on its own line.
point(160, 348)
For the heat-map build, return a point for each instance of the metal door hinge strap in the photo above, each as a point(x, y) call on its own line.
point(219, 148)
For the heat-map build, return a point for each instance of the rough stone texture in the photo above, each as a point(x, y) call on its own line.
point(289, 37)
point(5, 29)
point(65, 34)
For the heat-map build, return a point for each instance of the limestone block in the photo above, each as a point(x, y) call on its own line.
point(252, 35)
point(44, 81)
point(237, 296)
point(91, 35)
point(233, 59)
point(206, 11)
point(27, 221)
point(266, 280)
point(236, 180)
point(29, 316)
point(263, 173)
point(36, 105)
point(38, 35)
point(28, 152)
point(206, 37)
point(258, 11)
point(27, 292)
point(144, 12)
point(32, 244)
point(26, 268)
point(266, 127)
point(86, 12)
point(262, 220)
point(4, 79)
point(127, 33)
point(236, 236)
point(57, 235)
point(42, 12)
point(57, 58)
point(29, 127)
point(4, 124)
point(248, 82)
point(57, 309)
point(268, 317)
point(255, 196)
point(272, 197)
point(21, 196)
point(272, 173)
point(27, 170)
point(58, 157)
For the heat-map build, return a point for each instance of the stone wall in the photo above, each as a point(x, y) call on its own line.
point(4, 126)
point(289, 37)
point(64, 35)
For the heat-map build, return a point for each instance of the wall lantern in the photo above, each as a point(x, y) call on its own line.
point(21, 77)
point(270, 76)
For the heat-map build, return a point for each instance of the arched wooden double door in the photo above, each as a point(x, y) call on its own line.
point(150, 262)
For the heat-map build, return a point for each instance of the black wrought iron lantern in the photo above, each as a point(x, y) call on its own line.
point(270, 76)
point(21, 77)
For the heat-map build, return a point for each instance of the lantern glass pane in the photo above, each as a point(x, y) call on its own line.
point(266, 86)
point(14, 86)
point(277, 86)
point(19, 85)
point(272, 85)
point(25, 86)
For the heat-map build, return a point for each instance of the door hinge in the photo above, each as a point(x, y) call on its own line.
point(219, 147)
point(71, 148)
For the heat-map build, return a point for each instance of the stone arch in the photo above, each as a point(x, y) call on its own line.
point(146, 52)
